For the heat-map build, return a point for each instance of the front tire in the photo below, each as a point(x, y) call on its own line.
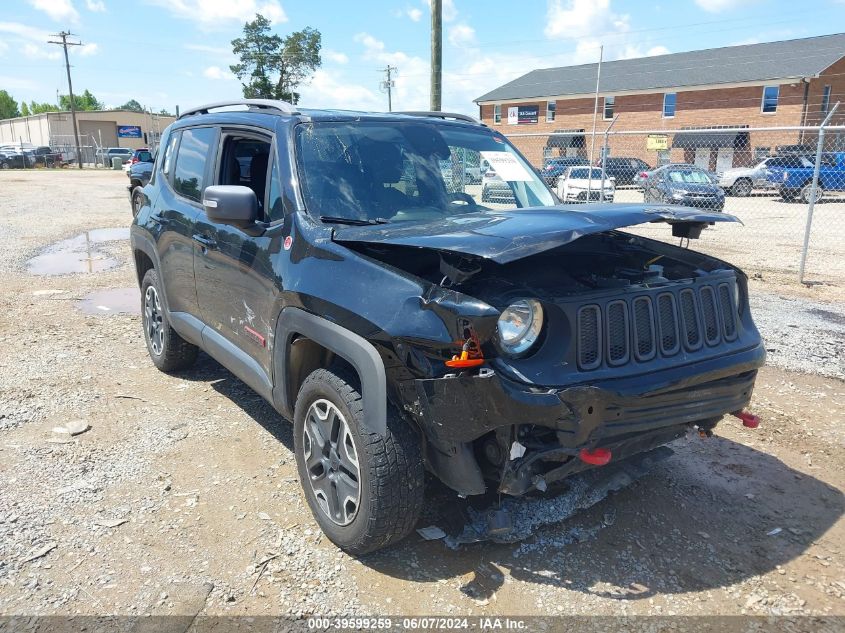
point(742, 188)
point(365, 490)
point(168, 351)
point(137, 201)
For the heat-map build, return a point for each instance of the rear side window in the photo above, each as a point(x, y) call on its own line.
point(191, 159)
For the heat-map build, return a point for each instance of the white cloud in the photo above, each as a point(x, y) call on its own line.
point(217, 73)
point(219, 13)
point(56, 9)
point(414, 13)
point(576, 19)
point(34, 51)
point(717, 6)
point(327, 89)
point(91, 48)
point(335, 56)
point(25, 31)
point(97, 6)
point(461, 35)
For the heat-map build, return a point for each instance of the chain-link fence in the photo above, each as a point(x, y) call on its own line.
point(764, 176)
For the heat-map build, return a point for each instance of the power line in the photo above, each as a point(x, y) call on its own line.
point(64, 44)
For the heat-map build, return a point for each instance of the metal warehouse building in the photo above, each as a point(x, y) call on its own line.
point(98, 128)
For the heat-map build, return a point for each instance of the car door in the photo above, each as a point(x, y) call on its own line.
point(184, 173)
point(237, 287)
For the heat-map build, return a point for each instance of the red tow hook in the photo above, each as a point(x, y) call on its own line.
point(749, 420)
point(596, 457)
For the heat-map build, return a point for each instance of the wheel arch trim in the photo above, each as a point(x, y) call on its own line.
point(353, 348)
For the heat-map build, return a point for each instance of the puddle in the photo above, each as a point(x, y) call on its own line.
point(78, 254)
point(114, 301)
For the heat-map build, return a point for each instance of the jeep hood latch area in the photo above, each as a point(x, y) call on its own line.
point(506, 236)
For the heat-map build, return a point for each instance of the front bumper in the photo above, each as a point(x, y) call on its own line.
point(706, 202)
point(465, 407)
point(595, 196)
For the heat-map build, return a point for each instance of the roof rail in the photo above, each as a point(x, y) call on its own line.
point(436, 114)
point(253, 104)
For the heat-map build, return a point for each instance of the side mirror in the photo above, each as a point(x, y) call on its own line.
point(230, 204)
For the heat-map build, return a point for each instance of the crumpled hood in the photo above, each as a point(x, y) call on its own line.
point(505, 236)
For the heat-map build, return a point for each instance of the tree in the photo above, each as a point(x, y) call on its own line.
point(132, 105)
point(39, 108)
point(85, 101)
point(8, 106)
point(24, 109)
point(272, 67)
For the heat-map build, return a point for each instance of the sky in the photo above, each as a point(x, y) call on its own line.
point(165, 53)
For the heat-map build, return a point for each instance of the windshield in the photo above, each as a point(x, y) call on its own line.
point(689, 176)
point(416, 170)
point(585, 173)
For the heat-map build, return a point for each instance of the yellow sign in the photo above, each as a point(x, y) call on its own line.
point(657, 141)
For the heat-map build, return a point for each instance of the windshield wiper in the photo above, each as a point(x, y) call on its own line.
point(331, 219)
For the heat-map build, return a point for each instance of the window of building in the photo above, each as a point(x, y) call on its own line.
point(551, 108)
point(609, 103)
point(825, 99)
point(770, 99)
point(497, 113)
point(669, 100)
point(189, 170)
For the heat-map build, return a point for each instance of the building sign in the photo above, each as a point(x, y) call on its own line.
point(129, 131)
point(521, 115)
point(657, 141)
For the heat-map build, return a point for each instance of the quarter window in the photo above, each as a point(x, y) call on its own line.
point(497, 113)
point(189, 171)
point(609, 103)
point(770, 99)
point(551, 108)
point(168, 154)
point(669, 100)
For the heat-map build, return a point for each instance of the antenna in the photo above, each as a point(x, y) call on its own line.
point(388, 84)
point(64, 44)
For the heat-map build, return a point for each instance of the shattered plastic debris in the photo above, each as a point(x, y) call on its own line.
point(517, 450)
point(774, 532)
point(431, 533)
point(584, 491)
point(73, 427)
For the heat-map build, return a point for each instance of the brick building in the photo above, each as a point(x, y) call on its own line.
point(773, 84)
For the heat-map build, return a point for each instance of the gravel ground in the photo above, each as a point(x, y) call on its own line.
point(182, 496)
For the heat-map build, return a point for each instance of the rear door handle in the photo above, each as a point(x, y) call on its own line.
point(207, 242)
point(158, 219)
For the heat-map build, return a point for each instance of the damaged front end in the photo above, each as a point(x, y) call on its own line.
point(571, 347)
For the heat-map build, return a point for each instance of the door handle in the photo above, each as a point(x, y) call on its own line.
point(207, 242)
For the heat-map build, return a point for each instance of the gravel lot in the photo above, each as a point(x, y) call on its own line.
point(182, 497)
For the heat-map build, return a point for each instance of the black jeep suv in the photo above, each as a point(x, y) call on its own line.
point(327, 260)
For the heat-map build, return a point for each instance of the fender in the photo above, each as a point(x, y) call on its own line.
point(353, 348)
point(140, 241)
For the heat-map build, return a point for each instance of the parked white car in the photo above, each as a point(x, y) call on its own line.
point(575, 182)
point(741, 181)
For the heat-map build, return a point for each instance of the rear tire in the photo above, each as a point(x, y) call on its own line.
point(168, 351)
point(807, 193)
point(364, 490)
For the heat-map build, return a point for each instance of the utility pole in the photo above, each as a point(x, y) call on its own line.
point(436, 53)
point(595, 116)
point(387, 86)
point(64, 44)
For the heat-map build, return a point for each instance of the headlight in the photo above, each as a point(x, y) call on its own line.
point(520, 325)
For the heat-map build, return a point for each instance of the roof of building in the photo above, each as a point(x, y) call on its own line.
point(787, 59)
